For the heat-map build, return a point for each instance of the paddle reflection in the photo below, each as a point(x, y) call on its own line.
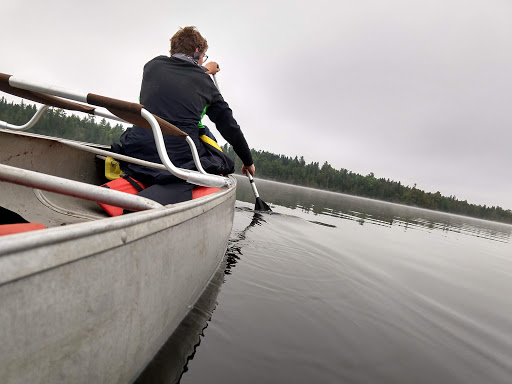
point(234, 250)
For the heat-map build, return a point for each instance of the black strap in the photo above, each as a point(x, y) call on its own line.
point(132, 182)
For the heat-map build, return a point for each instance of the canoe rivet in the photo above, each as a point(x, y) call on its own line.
point(124, 237)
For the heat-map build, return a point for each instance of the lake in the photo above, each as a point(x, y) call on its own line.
point(331, 288)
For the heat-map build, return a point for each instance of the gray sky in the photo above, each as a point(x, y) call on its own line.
point(415, 91)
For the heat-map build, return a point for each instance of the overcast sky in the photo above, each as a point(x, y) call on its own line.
point(415, 91)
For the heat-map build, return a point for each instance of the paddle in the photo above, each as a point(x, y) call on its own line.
point(260, 204)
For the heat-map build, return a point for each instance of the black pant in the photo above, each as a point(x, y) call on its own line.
point(168, 193)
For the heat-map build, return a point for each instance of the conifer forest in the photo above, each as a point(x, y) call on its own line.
point(292, 170)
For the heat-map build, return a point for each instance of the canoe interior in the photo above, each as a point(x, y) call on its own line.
point(49, 156)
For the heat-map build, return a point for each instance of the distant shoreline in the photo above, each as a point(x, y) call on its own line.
point(295, 171)
point(239, 175)
point(269, 166)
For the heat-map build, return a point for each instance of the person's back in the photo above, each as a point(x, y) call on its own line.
point(178, 90)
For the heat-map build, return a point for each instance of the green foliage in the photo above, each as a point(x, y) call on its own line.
point(296, 171)
point(55, 122)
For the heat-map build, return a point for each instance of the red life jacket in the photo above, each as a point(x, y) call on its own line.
point(9, 229)
point(129, 185)
point(123, 184)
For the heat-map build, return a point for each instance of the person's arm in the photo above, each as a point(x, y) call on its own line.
point(220, 114)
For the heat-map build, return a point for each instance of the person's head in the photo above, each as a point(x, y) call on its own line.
point(188, 40)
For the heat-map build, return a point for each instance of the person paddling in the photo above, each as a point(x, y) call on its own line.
point(179, 89)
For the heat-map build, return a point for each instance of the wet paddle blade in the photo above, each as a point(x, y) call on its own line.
point(261, 205)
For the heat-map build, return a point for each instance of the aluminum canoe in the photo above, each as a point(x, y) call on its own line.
point(92, 298)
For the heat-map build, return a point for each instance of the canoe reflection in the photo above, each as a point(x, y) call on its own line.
point(170, 363)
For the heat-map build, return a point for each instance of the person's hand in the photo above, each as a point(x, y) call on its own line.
point(251, 169)
point(212, 67)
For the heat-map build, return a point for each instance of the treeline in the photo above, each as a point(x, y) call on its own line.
point(296, 171)
point(55, 122)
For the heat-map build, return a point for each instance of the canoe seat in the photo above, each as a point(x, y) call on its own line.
point(9, 229)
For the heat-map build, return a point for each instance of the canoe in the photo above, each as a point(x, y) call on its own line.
point(92, 298)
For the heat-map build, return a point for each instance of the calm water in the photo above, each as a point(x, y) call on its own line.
point(336, 289)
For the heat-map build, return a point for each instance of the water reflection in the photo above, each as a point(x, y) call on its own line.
point(171, 362)
point(234, 250)
point(436, 303)
point(367, 211)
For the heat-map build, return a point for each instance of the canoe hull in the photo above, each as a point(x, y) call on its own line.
point(93, 302)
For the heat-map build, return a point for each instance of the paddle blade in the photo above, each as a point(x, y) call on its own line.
point(261, 205)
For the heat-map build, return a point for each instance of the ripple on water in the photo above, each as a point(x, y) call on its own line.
point(338, 289)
